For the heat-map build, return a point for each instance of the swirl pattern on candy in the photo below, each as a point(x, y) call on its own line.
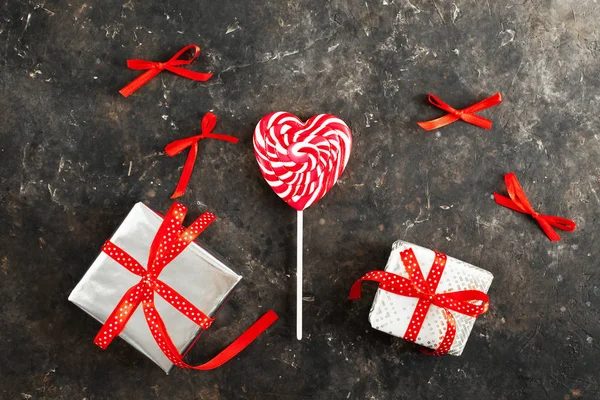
point(301, 161)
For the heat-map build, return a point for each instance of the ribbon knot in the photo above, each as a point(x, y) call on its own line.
point(154, 68)
point(466, 114)
point(208, 123)
point(149, 281)
point(423, 294)
point(518, 201)
point(462, 302)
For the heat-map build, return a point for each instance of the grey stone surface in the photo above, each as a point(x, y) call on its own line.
point(75, 156)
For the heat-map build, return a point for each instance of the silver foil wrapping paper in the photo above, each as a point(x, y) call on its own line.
point(196, 274)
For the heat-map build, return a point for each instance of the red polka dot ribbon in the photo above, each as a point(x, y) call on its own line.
point(517, 201)
point(466, 114)
point(208, 123)
point(170, 240)
point(154, 68)
point(425, 290)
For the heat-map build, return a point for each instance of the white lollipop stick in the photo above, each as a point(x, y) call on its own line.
point(299, 277)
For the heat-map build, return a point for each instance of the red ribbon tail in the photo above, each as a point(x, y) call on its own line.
point(438, 122)
point(477, 121)
point(186, 174)
point(448, 340)
point(355, 290)
point(483, 104)
point(116, 321)
point(139, 82)
point(547, 228)
point(220, 136)
point(239, 344)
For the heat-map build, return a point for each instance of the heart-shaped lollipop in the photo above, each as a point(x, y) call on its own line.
point(301, 161)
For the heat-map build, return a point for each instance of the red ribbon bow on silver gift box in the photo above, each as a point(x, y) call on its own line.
point(425, 290)
point(170, 240)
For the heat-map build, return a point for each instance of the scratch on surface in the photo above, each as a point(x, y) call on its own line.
point(43, 7)
point(165, 92)
point(278, 56)
point(559, 382)
point(455, 12)
point(80, 10)
point(515, 76)
point(332, 48)
point(508, 36)
point(144, 174)
point(6, 46)
point(27, 22)
point(130, 166)
point(233, 28)
point(416, 9)
point(427, 194)
point(52, 192)
point(582, 88)
point(537, 329)
point(291, 364)
point(594, 193)
point(494, 224)
point(23, 163)
point(439, 12)
point(579, 325)
point(73, 121)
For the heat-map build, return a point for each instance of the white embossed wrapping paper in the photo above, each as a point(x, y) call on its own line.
point(196, 274)
point(391, 313)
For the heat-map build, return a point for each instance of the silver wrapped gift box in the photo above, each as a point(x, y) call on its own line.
point(392, 313)
point(196, 274)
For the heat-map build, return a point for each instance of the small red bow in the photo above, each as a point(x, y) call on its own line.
point(425, 290)
point(519, 202)
point(208, 123)
point(154, 68)
point(466, 114)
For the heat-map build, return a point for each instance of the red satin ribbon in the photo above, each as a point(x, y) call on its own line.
point(519, 202)
point(425, 291)
point(466, 114)
point(170, 240)
point(154, 68)
point(176, 147)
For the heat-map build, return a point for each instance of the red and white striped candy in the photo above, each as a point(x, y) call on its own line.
point(301, 161)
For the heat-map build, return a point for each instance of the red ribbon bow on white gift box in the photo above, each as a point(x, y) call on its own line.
point(170, 240)
point(425, 291)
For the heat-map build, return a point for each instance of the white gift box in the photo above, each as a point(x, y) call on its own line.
point(196, 274)
point(391, 313)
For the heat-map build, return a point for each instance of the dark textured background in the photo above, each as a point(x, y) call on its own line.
point(75, 157)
